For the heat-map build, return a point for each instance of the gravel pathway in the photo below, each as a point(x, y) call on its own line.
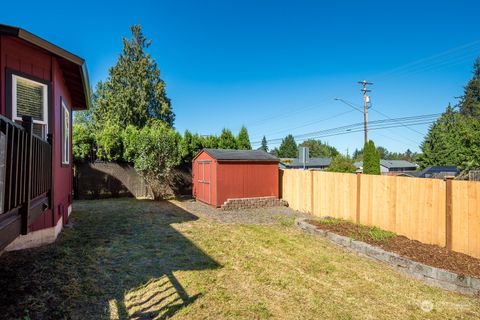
point(269, 215)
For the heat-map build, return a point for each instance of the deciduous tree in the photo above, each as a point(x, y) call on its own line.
point(341, 163)
point(319, 149)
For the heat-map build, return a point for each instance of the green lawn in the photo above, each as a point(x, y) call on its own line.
point(129, 259)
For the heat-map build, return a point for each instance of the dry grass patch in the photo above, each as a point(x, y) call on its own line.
point(128, 259)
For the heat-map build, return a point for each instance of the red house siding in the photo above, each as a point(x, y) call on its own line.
point(232, 179)
point(18, 56)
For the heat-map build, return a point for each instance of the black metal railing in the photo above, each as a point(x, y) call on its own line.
point(25, 171)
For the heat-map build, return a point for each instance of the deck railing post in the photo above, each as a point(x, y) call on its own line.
point(448, 212)
point(49, 170)
point(27, 124)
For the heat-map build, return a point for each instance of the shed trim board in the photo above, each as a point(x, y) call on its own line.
point(202, 181)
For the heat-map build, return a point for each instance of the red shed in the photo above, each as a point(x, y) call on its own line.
point(220, 174)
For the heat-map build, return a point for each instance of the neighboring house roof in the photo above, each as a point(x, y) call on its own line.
point(397, 164)
point(438, 171)
point(390, 164)
point(313, 162)
point(75, 69)
point(240, 155)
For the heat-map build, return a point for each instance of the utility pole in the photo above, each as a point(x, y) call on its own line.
point(366, 99)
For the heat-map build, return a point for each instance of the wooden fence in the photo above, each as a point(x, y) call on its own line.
point(433, 211)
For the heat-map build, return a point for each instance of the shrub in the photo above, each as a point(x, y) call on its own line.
point(109, 142)
point(154, 152)
point(341, 164)
point(82, 141)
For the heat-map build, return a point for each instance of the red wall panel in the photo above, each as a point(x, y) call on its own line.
point(246, 180)
point(17, 55)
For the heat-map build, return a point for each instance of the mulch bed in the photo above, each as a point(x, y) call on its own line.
point(428, 254)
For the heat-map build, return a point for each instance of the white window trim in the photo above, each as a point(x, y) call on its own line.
point(65, 144)
point(45, 101)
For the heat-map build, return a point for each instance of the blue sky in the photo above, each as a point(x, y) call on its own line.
point(276, 66)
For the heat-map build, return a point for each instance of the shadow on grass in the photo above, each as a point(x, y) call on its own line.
point(117, 262)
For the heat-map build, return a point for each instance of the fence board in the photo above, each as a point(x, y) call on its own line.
point(413, 207)
point(297, 189)
point(334, 195)
point(466, 217)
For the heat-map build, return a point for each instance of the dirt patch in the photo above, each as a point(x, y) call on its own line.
point(269, 215)
point(428, 254)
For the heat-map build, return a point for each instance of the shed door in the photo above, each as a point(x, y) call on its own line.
point(204, 172)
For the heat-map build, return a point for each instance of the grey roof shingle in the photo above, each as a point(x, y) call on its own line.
point(313, 162)
point(390, 164)
point(397, 164)
point(240, 155)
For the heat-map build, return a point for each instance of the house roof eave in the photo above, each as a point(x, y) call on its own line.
point(56, 50)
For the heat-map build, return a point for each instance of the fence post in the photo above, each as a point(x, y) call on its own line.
point(359, 179)
point(448, 212)
point(311, 192)
point(27, 124)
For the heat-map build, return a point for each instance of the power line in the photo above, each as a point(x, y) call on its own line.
point(374, 110)
point(344, 132)
point(441, 58)
point(377, 124)
point(309, 123)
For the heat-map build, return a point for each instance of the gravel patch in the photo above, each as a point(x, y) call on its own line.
point(269, 215)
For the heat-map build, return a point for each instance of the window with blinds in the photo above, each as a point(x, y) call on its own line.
point(30, 98)
point(65, 134)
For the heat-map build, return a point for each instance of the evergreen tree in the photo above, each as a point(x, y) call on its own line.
point(452, 140)
point(133, 92)
point(189, 146)
point(264, 145)
point(383, 153)
point(357, 155)
point(470, 101)
point(210, 142)
point(288, 148)
point(371, 159)
point(274, 152)
point(227, 140)
point(243, 140)
point(408, 155)
point(319, 149)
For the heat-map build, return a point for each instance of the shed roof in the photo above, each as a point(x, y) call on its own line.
point(74, 68)
point(240, 155)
